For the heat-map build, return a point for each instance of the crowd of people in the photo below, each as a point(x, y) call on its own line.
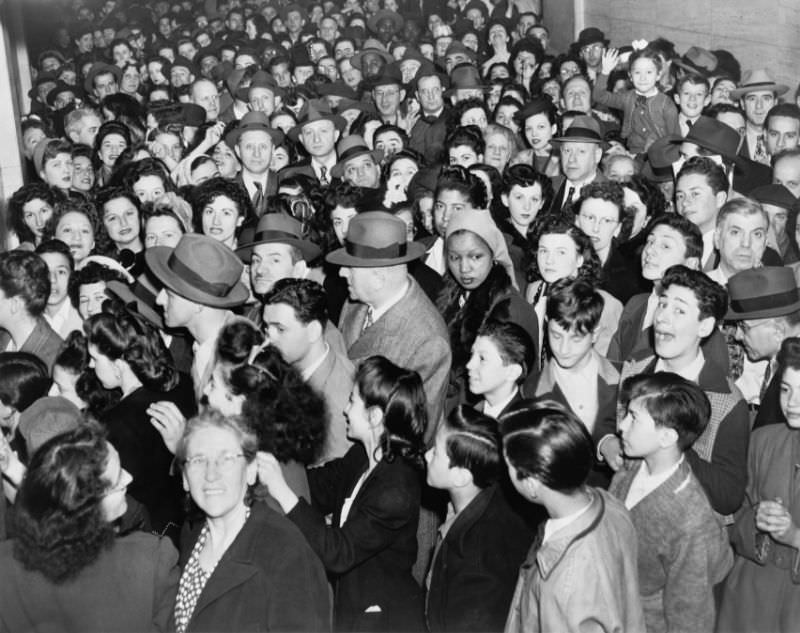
point(381, 315)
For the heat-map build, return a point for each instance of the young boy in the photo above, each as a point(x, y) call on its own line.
point(575, 374)
point(502, 356)
point(683, 548)
point(690, 306)
point(692, 94)
point(483, 541)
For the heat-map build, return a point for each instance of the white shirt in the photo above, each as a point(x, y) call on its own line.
point(494, 411)
point(552, 526)
point(577, 186)
point(65, 321)
point(250, 183)
point(708, 248)
point(650, 313)
point(435, 257)
point(309, 371)
point(580, 389)
point(329, 165)
point(691, 372)
point(644, 483)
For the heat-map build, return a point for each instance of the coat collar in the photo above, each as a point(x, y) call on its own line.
point(712, 377)
point(547, 380)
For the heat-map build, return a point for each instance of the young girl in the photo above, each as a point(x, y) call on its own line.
point(502, 355)
point(648, 114)
point(484, 540)
point(563, 251)
point(762, 592)
point(582, 573)
point(373, 493)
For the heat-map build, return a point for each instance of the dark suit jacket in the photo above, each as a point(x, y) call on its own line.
point(769, 411)
point(427, 137)
point(605, 421)
point(371, 556)
point(411, 334)
point(269, 579)
point(560, 187)
point(130, 587)
point(42, 342)
point(475, 569)
point(621, 276)
point(270, 190)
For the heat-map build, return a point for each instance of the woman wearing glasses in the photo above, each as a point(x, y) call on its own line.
point(66, 569)
point(244, 566)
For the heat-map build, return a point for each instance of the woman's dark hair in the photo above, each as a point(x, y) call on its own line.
point(236, 341)
point(122, 334)
point(399, 394)
point(469, 135)
point(462, 106)
point(91, 273)
point(359, 124)
point(458, 178)
point(125, 108)
point(522, 175)
point(102, 244)
point(21, 197)
point(107, 129)
point(108, 194)
point(544, 440)
point(575, 305)
point(539, 105)
point(473, 443)
point(138, 169)
point(284, 410)
point(788, 356)
point(208, 191)
point(74, 357)
point(590, 270)
point(60, 523)
point(24, 379)
point(568, 57)
point(651, 196)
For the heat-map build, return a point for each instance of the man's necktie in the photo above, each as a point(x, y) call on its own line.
point(367, 320)
point(258, 199)
point(765, 383)
point(568, 197)
point(323, 175)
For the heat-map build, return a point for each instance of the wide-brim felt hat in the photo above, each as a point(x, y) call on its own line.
point(375, 239)
point(762, 293)
point(371, 46)
point(698, 61)
point(776, 195)
point(591, 35)
point(200, 269)
point(100, 68)
point(584, 129)
point(260, 79)
point(755, 81)
point(661, 154)
point(123, 292)
point(464, 77)
point(352, 147)
point(317, 111)
point(58, 89)
point(254, 120)
point(279, 228)
point(385, 14)
point(715, 137)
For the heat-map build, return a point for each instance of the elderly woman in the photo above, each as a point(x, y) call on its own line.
point(244, 565)
point(66, 568)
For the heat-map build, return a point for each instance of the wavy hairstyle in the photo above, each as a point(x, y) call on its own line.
point(21, 197)
point(590, 270)
point(399, 394)
point(120, 333)
point(61, 527)
point(289, 417)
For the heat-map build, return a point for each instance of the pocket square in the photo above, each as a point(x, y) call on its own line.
point(374, 609)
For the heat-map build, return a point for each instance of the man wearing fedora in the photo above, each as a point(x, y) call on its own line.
point(201, 280)
point(263, 94)
point(371, 59)
point(591, 45)
point(757, 94)
point(388, 93)
point(465, 83)
point(252, 141)
point(318, 131)
point(765, 304)
point(388, 313)
point(358, 164)
point(581, 149)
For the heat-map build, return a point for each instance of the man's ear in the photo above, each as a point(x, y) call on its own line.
point(707, 326)
point(721, 198)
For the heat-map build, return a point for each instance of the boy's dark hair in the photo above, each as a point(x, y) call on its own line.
point(24, 274)
point(513, 344)
point(609, 190)
point(672, 401)
point(692, 237)
point(575, 305)
point(712, 298)
point(788, 110)
point(702, 166)
point(695, 80)
point(715, 110)
point(473, 443)
point(307, 298)
point(57, 246)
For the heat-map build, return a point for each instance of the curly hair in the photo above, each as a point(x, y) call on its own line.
point(102, 244)
point(205, 193)
point(236, 340)
point(21, 197)
point(92, 273)
point(282, 408)
point(60, 524)
point(399, 394)
point(590, 270)
point(121, 334)
point(74, 358)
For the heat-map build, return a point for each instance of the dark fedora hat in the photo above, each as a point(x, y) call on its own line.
point(200, 269)
point(255, 120)
point(371, 46)
point(100, 68)
point(374, 239)
point(385, 14)
point(713, 136)
point(698, 61)
point(762, 293)
point(776, 195)
point(260, 79)
point(316, 111)
point(463, 77)
point(591, 35)
point(584, 129)
point(123, 292)
point(349, 148)
point(279, 228)
point(661, 154)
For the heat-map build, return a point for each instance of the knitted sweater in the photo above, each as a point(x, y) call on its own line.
point(683, 551)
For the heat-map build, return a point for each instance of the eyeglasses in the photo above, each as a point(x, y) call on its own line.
point(223, 463)
point(746, 327)
point(593, 219)
point(592, 48)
